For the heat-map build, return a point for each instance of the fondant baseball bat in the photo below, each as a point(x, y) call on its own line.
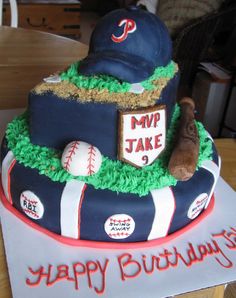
point(184, 157)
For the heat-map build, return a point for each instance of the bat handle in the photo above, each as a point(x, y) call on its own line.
point(183, 160)
point(188, 101)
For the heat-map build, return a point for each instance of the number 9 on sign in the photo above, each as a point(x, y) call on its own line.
point(145, 159)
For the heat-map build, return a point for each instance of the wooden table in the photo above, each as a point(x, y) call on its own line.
point(28, 56)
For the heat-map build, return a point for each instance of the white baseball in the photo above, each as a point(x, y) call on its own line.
point(197, 205)
point(31, 204)
point(119, 226)
point(81, 159)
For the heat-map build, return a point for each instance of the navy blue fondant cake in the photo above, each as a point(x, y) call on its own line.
point(97, 154)
point(85, 121)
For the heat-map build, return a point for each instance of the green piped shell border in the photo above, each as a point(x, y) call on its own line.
point(113, 175)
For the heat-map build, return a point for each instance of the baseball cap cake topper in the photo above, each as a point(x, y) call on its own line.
point(128, 44)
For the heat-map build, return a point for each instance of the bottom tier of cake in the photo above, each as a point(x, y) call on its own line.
point(77, 210)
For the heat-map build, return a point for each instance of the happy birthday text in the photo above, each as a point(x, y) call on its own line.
point(93, 273)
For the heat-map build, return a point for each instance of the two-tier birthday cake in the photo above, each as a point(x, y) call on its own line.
point(104, 153)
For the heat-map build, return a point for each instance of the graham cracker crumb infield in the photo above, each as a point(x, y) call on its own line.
point(67, 90)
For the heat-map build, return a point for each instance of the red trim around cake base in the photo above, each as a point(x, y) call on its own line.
point(105, 245)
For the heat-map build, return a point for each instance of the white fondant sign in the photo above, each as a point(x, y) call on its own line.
point(204, 256)
point(142, 135)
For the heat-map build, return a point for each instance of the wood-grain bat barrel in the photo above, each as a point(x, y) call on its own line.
point(183, 160)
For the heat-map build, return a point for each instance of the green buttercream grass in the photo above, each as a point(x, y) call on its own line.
point(112, 84)
point(166, 72)
point(113, 175)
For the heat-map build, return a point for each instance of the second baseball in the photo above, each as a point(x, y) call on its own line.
point(81, 159)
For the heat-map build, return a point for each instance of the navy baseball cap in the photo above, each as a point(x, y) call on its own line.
point(128, 44)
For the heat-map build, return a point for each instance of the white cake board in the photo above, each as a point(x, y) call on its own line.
point(26, 247)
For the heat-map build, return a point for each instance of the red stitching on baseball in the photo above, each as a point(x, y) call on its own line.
point(71, 152)
point(119, 220)
point(118, 234)
point(28, 200)
point(91, 160)
point(31, 212)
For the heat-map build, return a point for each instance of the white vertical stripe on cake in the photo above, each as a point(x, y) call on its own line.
point(70, 208)
point(7, 164)
point(214, 169)
point(164, 203)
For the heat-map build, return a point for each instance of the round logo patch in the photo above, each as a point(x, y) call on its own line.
point(31, 205)
point(197, 206)
point(119, 226)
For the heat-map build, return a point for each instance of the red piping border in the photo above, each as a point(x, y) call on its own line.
point(79, 209)
point(105, 245)
point(9, 179)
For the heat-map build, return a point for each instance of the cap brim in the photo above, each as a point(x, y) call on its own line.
point(125, 67)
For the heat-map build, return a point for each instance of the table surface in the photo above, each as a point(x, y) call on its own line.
point(26, 57)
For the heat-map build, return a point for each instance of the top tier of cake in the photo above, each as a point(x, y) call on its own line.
point(128, 69)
